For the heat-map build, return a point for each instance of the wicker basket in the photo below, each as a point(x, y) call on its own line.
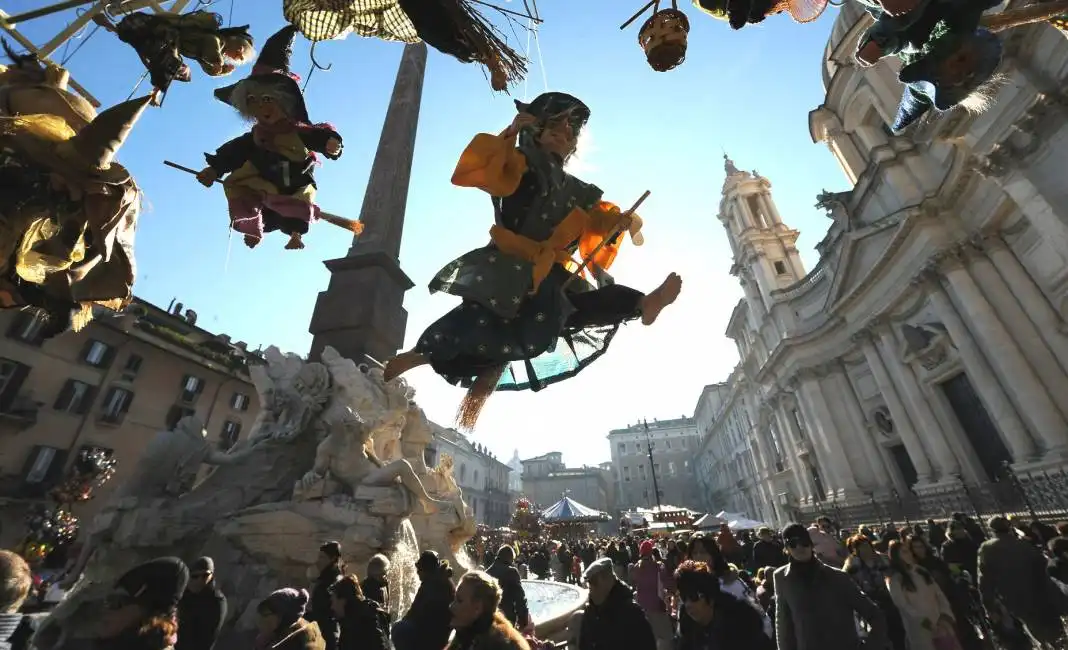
point(663, 37)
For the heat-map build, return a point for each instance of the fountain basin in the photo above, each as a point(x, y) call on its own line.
point(551, 605)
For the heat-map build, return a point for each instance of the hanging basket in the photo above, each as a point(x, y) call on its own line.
point(663, 37)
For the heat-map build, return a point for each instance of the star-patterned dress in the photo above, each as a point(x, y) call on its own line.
point(515, 311)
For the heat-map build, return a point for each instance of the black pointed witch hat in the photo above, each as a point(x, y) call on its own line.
point(272, 67)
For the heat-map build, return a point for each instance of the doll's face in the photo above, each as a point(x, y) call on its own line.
point(558, 137)
point(265, 109)
point(237, 49)
point(958, 68)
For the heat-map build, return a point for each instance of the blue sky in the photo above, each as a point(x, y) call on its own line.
point(747, 93)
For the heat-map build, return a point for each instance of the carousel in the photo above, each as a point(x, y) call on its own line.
point(570, 519)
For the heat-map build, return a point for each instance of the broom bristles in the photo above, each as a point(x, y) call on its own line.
point(475, 398)
point(483, 38)
point(1028, 15)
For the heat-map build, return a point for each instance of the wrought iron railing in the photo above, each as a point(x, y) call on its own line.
point(1042, 496)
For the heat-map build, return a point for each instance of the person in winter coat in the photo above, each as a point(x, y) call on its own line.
point(140, 612)
point(202, 610)
point(331, 567)
point(827, 547)
point(281, 623)
point(477, 618)
point(816, 605)
point(376, 586)
point(426, 625)
point(959, 599)
point(960, 551)
point(647, 576)
point(720, 621)
point(1057, 567)
point(364, 624)
point(925, 610)
point(513, 597)
point(868, 568)
point(612, 620)
point(1012, 573)
point(767, 551)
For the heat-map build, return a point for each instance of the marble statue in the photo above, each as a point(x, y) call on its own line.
point(347, 455)
point(308, 472)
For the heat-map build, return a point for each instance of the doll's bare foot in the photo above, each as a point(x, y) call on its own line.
point(252, 241)
point(653, 303)
point(498, 75)
point(295, 243)
point(402, 363)
point(896, 8)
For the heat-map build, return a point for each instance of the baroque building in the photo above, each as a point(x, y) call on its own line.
point(659, 453)
point(111, 386)
point(926, 355)
point(546, 480)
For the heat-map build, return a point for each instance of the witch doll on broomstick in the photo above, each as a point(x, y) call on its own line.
point(528, 316)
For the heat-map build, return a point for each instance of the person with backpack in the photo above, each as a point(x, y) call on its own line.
point(364, 624)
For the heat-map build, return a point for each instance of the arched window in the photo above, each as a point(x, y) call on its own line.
point(863, 120)
point(463, 472)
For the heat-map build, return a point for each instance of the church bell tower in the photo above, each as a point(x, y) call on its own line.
point(765, 250)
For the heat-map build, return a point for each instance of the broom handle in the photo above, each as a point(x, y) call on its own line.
point(333, 219)
point(1034, 13)
point(615, 233)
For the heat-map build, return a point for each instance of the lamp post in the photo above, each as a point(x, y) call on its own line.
point(652, 467)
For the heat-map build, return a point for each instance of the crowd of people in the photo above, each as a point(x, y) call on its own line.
point(940, 586)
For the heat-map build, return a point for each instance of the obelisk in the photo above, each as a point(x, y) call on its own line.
point(362, 310)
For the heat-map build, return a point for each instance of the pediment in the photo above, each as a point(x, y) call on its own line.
point(861, 251)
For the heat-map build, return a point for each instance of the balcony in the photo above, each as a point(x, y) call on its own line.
point(21, 414)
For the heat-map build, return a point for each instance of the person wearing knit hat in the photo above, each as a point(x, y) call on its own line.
point(64, 260)
point(269, 182)
point(202, 610)
point(140, 610)
point(648, 576)
point(281, 622)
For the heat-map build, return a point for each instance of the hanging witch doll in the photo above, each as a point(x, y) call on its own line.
point(67, 216)
point(950, 50)
point(453, 27)
point(525, 322)
point(30, 87)
point(163, 39)
point(739, 13)
point(269, 183)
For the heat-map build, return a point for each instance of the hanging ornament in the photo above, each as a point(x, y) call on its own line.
point(93, 468)
point(663, 36)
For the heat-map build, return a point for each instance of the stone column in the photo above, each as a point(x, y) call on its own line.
point(1027, 337)
point(855, 411)
point(791, 435)
point(825, 437)
point(1019, 379)
point(1034, 302)
point(923, 417)
point(982, 377)
point(902, 420)
point(748, 219)
point(769, 209)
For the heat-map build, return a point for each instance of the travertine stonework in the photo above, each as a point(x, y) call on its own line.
point(295, 483)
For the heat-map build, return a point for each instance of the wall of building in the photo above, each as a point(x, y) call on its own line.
point(928, 347)
point(546, 480)
point(113, 385)
point(674, 447)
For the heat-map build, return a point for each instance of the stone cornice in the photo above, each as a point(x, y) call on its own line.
point(1031, 130)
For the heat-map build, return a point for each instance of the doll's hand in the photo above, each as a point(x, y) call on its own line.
point(333, 147)
point(207, 176)
point(521, 121)
point(870, 54)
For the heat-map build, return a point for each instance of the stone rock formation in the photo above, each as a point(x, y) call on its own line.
point(309, 472)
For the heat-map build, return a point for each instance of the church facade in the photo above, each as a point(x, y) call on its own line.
point(921, 367)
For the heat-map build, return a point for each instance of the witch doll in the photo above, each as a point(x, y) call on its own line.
point(739, 13)
point(269, 183)
point(31, 87)
point(68, 213)
point(161, 40)
point(950, 58)
point(523, 323)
